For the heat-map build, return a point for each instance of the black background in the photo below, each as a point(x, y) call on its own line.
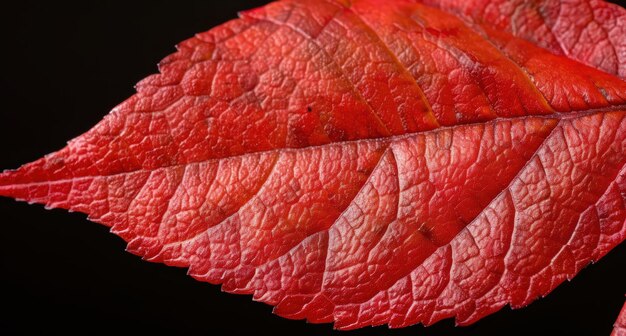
point(62, 67)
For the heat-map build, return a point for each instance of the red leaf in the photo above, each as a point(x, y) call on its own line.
point(383, 162)
point(620, 325)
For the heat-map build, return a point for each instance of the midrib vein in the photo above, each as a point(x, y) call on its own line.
point(380, 140)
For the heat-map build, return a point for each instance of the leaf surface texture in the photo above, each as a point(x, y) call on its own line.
point(368, 162)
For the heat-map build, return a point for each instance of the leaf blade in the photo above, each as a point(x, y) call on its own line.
point(157, 192)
